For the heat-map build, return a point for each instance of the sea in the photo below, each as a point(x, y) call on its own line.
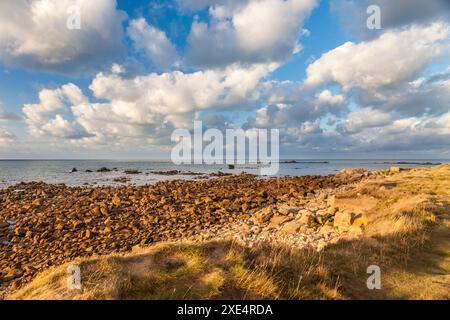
point(13, 172)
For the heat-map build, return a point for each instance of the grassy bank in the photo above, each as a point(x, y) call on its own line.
point(407, 236)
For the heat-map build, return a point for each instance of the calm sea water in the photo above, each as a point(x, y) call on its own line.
point(59, 171)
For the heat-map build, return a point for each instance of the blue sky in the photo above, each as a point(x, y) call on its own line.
point(137, 70)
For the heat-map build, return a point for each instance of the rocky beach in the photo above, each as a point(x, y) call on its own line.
point(44, 225)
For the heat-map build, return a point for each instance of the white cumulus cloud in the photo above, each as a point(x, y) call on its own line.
point(248, 31)
point(153, 42)
point(34, 34)
point(392, 59)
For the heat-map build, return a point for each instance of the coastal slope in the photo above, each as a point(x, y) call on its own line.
point(303, 244)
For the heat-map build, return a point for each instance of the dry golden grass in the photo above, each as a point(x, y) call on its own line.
point(408, 236)
point(191, 271)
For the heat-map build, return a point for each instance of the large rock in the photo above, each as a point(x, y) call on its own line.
point(286, 209)
point(278, 220)
point(292, 227)
point(264, 215)
point(343, 220)
point(299, 224)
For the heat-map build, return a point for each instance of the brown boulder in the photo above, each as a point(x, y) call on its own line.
point(278, 220)
point(116, 201)
point(292, 226)
point(286, 209)
point(264, 215)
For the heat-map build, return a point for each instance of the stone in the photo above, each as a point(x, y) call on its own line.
point(343, 219)
point(116, 201)
point(12, 274)
point(107, 230)
point(77, 223)
point(104, 211)
point(306, 218)
point(29, 269)
point(326, 229)
point(285, 209)
point(331, 200)
point(292, 227)
point(394, 169)
point(278, 220)
point(132, 172)
point(264, 215)
point(95, 211)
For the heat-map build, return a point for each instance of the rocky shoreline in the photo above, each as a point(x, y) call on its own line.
point(44, 225)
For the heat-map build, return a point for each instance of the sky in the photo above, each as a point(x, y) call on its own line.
point(113, 79)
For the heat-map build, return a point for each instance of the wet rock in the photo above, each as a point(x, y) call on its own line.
point(74, 170)
point(103, 169)
point(122, 179)
point(132, 172)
